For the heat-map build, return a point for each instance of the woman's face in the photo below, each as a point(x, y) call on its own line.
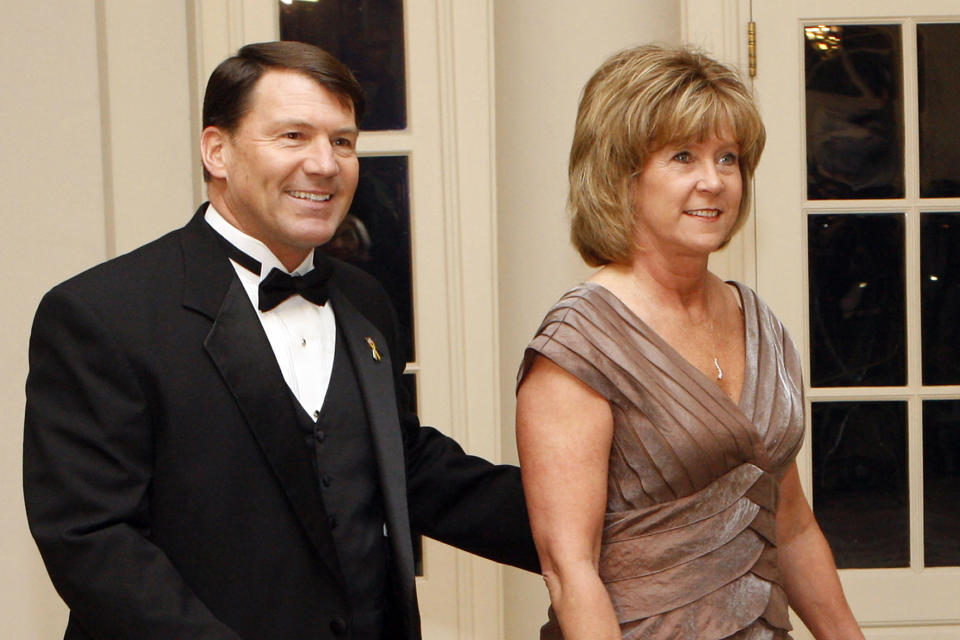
point(687, 197)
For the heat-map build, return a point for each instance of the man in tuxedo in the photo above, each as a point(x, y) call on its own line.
point(214, 447)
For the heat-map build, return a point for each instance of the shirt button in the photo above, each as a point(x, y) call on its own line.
point(316, 415)
point(326, 480)
point(303, 342)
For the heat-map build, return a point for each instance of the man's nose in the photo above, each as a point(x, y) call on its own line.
point(322, 159)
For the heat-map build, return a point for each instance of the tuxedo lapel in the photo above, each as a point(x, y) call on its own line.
point(242, 354)
point(374, 370)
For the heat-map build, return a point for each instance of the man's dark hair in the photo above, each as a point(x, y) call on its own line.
point(227, 98)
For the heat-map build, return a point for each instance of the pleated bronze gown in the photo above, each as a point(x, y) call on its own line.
point(689, 546)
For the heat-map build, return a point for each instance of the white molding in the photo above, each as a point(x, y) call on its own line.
point(456, 339)
point(718, 27)
point(144, 96)
point(464, 34)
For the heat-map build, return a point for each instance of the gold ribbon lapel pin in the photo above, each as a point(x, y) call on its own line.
point(373, 349)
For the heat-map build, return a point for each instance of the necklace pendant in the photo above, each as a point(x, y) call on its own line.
point(716, 363)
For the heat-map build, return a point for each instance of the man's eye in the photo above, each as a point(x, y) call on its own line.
point(343, 142)
point(293, 135)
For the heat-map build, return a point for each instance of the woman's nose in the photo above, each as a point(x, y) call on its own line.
point(710, 180)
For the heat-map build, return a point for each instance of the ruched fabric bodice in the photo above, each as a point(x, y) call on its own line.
point(689, 544)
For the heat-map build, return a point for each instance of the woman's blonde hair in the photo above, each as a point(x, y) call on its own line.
point(638, 102)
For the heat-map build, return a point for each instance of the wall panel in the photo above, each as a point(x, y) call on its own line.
point(52, 184)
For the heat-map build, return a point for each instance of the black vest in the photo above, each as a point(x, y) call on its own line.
point(346, 470)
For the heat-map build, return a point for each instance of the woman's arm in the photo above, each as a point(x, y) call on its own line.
point(809, 572)
point(564, 433)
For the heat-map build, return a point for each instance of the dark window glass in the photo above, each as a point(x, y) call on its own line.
point(367, 36)
point(375, 235)
point(940, 291)
point(860, 482)
point(854, 106)
point(857, 299)
point(938, 74)
point(941, 483)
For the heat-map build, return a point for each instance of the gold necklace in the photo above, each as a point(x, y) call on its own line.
point(713, 328)
point(713, 341)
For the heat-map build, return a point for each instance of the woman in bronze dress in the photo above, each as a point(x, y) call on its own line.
point(660, 408)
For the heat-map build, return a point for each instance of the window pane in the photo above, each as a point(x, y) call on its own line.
point(938, 73)
point(854, 107)
point(857, 300)
point(860, 482)
point(941, 483)
point(940, 291)
point(375, 235)
point(367, 36)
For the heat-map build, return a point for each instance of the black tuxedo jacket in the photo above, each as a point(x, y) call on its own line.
point(167, 482)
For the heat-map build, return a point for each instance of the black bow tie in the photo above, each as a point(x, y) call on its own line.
point(278, 286)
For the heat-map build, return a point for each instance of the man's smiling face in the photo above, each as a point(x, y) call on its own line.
point(287, 174)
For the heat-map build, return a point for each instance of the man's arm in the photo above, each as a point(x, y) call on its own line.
point(460, 499)
point(465, 501)
point(87, 469)
point(456, 498)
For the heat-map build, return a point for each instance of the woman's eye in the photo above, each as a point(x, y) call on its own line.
point(728, 159)
point(683, 156)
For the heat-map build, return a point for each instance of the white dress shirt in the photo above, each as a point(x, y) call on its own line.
point(301, 334)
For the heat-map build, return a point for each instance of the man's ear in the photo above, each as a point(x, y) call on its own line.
point(213, 152)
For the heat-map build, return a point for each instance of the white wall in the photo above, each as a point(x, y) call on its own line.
point(545, 52)
point(52, 185)
point(153, 164)
point(96, 158)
